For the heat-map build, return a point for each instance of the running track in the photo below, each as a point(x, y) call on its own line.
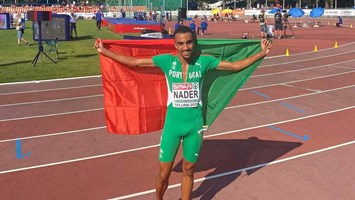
point(54, 145)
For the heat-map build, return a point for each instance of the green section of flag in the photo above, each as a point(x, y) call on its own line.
point(219, 87)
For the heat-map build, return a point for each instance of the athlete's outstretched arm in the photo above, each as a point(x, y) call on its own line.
point(127, 60)
point(241, 64)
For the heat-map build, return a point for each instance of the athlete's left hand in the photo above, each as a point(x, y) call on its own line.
point(265, 46)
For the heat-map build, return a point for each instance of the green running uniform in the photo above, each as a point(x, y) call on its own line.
point(184, 120)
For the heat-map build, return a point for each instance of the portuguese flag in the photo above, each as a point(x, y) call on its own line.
point(135, 97)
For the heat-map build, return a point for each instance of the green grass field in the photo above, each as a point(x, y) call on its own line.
point(76, 57)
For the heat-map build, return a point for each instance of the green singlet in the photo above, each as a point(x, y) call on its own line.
point(184, 121)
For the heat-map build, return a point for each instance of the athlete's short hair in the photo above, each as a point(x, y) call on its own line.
point(182, 29)
point(186, 29)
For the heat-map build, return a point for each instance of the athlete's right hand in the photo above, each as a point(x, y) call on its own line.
point(98, 45)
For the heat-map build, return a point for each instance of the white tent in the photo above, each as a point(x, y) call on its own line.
point(215, 5)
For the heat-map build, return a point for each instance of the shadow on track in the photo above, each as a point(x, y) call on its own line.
point(230, 156)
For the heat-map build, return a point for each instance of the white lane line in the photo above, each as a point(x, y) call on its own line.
point(307, 59)
point(97, 109)
point(242, 170)
point(53, 89)
point(230, 107)
point(100, 85)
point(51, 80)
point(297, 81)
point(334, 65)
point(73, 98)
point(51, 115)
point(309, 52)
point(302, 88)
point(52, 100)
point(256, 76)
point(79, 159)
point(156, 145)
point(281, 122)
point(292, 97)
point(54, 134)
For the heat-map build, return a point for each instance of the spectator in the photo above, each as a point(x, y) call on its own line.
point(163, 24)
point(20, 28)
point(205, 17)
point(139, 16)
point(203, 27)
point(123, 13)
point(193, 30)
point(73, 25)
point(340, 22)
point(278, 24)
point(193, 26)
point(263, 24)
point(253, 18)
point(98, 17)
point(177, 24)
point(155, 16)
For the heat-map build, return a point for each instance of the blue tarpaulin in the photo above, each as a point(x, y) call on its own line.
point(130, 21)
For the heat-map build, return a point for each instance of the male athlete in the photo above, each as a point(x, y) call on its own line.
point(184, 120)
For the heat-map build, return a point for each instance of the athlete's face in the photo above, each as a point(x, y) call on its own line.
point(184, 44)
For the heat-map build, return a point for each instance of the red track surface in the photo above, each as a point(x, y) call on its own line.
point(246, 154)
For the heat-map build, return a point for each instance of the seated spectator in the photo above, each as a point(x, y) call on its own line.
point(140, 16)
point(340, 22)
point(193, 26)
point(253, 19)
point(203, 27)
point(193, 29)
point(177, 24)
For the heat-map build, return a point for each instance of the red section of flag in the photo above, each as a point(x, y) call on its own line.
point(135, 97)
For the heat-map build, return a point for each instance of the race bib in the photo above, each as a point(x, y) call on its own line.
point(185, 95)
